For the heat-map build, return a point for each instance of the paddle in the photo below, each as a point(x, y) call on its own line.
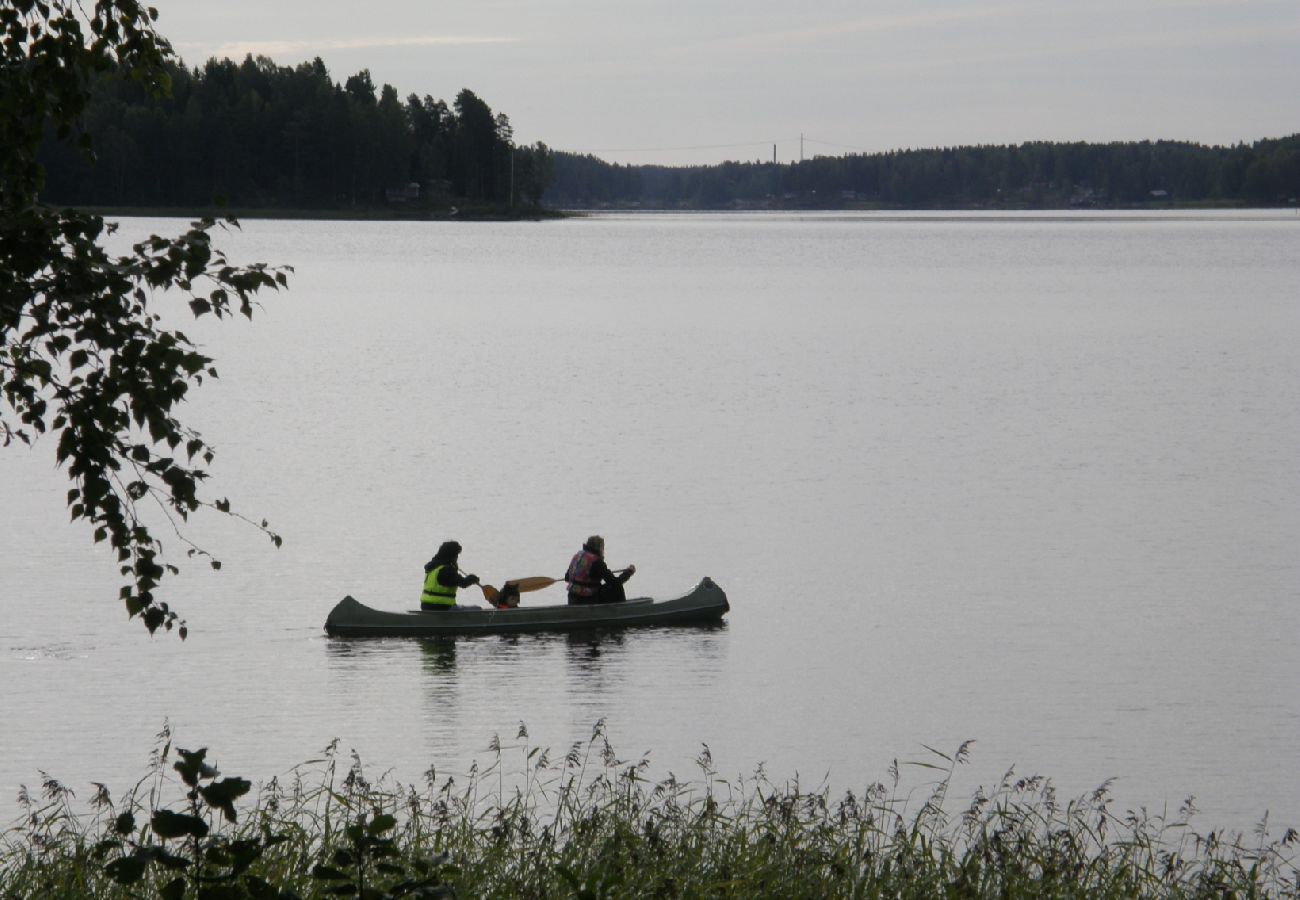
point(536, 583)
point(522, 585)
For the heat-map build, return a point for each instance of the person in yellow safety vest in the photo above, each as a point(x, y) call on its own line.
point(590, 580)
point(441, 579)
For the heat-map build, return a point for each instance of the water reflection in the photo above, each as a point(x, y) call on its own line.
point(597, 656)
point(439, 656)
point(594, 658)
point(588, 658)
point(585, 651)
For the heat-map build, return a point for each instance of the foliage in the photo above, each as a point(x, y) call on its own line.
point(593, 825)
point(1031, 175)
point(261, 135)
point(82, 351)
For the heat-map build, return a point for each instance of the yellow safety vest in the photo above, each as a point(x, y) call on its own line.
point(436, 594)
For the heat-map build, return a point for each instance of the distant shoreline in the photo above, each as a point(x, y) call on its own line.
point(533, 214)
point(452, 214)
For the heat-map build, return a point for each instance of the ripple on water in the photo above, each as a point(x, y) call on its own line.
point(43, 652)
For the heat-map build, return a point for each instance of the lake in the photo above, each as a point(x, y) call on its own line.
point(1027, 479)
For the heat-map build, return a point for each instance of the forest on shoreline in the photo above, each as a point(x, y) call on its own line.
point(260, 138)
point(1035, 175)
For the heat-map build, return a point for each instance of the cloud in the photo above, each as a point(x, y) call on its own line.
point(875, 24)
point(1135, 45)
point(278, 49)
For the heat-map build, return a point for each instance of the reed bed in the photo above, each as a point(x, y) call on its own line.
point(592, 825)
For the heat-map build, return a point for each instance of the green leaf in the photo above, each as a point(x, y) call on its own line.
point(124, 824)
point(223, 794)
point(243, 854)
point(381, 823)
point(260, 889)
point(167, 825)
point(328, 873)
point(127, 870)
point(192, 767)
point(171, 860)
point(153, 616)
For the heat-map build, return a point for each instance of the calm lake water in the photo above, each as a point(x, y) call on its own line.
point(1029, 480)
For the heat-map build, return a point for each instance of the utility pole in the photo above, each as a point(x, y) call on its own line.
point(801, 146)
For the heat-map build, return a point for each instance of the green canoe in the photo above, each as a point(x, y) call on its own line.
point(703, 604)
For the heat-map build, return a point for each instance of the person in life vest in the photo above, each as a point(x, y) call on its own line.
point(590, 579)
point(508, 597)
point(441, 579)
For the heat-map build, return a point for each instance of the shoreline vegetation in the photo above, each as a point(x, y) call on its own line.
point(294, 142)
point(592, 824)
point(543, 214)
point(377, 214)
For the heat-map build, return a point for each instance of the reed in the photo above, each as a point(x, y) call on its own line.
point(590, 824)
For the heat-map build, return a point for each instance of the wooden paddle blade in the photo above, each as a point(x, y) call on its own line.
point(535, 583)
point(489, 593)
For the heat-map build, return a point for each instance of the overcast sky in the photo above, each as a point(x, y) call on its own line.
point(700, 81)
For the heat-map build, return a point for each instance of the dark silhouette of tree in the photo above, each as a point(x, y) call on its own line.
point(534, 167)
point(475, 156)
point(82, 352)
point(259, 135)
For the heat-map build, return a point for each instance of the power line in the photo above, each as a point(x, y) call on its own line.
point(841, 146)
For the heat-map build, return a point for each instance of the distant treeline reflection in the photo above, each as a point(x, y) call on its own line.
point(256, 135)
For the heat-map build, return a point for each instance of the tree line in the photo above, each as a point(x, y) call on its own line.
point(1030, 175)
point(259, 135)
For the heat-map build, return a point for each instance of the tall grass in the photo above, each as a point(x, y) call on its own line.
point(592, 825)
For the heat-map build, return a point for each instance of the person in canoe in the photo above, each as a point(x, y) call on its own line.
point(442, 577)
point(590, 579)
point(507, 597)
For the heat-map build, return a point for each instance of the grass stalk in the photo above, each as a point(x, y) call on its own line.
point(594, 825)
